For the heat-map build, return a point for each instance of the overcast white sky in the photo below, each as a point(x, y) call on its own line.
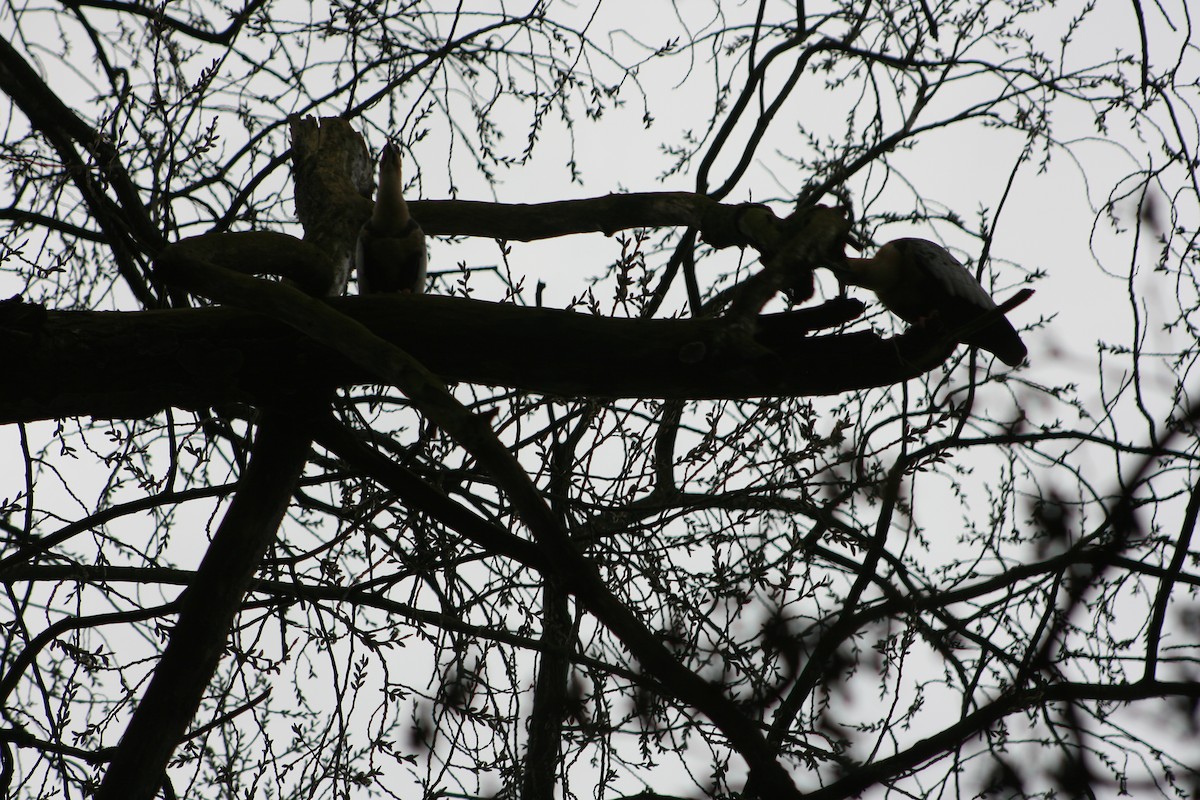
point(1049, 222)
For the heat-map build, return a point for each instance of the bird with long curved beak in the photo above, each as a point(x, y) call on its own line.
point(391, 255)
point(921, 283)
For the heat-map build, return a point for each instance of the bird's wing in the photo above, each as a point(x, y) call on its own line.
point(965, 300)
point(947, 271)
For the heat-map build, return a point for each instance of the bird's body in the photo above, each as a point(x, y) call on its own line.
point(920, 282)
point(391, 255)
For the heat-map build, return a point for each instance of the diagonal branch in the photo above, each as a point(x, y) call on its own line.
point(208, 608)
point(127, 226)
point(155, 14)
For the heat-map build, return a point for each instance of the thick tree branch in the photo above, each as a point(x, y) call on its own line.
point(526, 222)
point(135, 364)
point(551, 701)
point(543, 747)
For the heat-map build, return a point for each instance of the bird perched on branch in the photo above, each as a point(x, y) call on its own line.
point(921, 283)
point(390, 256)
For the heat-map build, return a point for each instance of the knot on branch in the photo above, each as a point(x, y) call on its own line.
point(19, 319)
point(791, 249)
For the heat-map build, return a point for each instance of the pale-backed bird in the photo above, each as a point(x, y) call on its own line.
point(390, 256)
point(921, 283)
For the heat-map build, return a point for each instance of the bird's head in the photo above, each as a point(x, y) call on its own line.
point(389, 163)
point(391, 212)
point(878, 271)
